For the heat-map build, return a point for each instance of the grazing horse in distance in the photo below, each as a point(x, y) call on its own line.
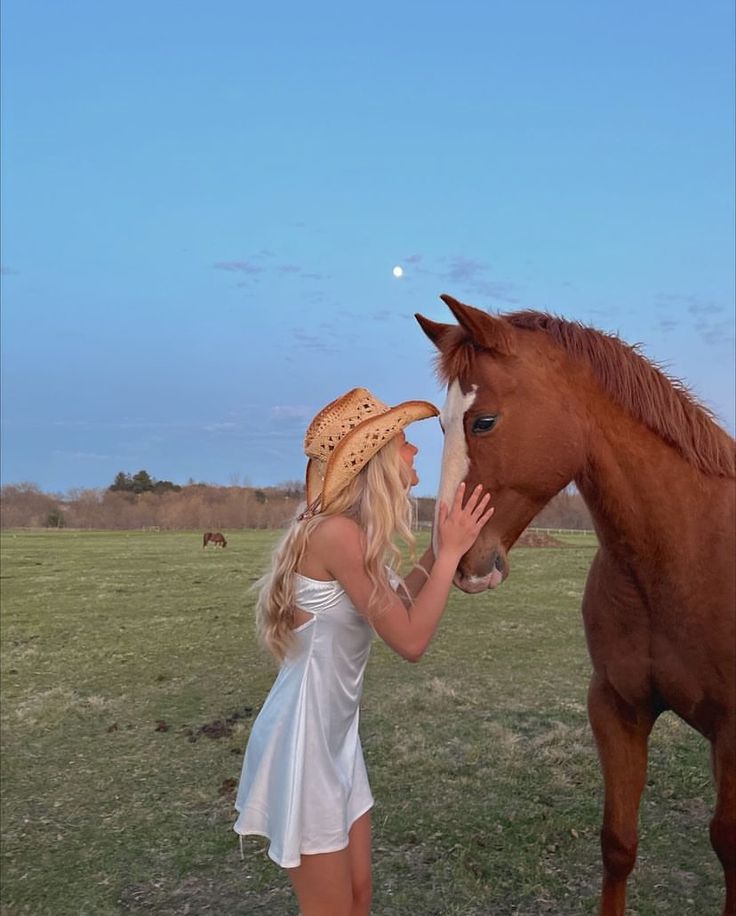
point(535, 402)
point(215, 538)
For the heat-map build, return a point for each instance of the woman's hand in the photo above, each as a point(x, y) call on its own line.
point(459, 526)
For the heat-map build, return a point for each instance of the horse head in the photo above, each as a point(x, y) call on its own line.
point(510, 424)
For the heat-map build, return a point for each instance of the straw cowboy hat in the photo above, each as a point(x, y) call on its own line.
point(345, 435)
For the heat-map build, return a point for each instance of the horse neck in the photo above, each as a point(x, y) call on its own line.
point(639, 490)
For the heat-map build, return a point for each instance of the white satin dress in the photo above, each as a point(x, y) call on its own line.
point(304, 782)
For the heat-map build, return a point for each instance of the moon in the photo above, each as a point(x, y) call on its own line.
point(398, 272)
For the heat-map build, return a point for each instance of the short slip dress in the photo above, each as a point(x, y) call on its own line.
point(304, 781)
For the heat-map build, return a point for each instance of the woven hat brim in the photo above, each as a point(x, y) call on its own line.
point(337, 475)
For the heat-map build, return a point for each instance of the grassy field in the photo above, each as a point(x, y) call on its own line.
point(130, 680)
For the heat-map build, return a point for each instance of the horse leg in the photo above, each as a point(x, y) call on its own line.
point(621, 734)
point(723, 824)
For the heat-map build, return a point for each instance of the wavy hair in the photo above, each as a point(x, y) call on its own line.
point(378, 500)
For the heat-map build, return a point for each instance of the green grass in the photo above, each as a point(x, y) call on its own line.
point(481, 760)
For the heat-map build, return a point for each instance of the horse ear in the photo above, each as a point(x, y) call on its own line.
point(487, 330)
point(433, 329)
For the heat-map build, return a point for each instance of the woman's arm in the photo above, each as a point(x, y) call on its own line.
point(418, 575)
point(408, 631)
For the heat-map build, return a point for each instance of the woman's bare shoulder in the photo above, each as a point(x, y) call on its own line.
point(334, 538)
point(338, 538)
point(335, 531)
point(341, 548)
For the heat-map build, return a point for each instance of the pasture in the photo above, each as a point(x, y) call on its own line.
point(130, 678)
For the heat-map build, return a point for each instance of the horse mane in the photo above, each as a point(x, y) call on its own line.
point(663, 404)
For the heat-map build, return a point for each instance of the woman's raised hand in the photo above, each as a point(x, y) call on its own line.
point(459, 525)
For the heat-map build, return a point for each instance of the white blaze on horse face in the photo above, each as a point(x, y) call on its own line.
point(455, 460)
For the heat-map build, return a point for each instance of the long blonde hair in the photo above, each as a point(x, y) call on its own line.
point(378, 500)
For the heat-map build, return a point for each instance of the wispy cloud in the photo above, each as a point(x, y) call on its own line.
point(263, 263)
point(496, 289)
point(472, 274)
point(716, 333)
point(244, 266)
point(705, 308)
point(708, 317)
point(696, 305)
point(223, 427)
point(120, 424)
point(291, 412)
point(464, 269)
point(84, 456)
point(166, 427)
point(348, 318)
point(306, 341)
point(469, 273)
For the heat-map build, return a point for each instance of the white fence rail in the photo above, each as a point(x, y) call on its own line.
point(563, 530)
point(425, 526)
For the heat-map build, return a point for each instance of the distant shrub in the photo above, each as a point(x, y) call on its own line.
point(55, 519)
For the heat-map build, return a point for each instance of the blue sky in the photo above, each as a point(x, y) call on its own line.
point(203, 203)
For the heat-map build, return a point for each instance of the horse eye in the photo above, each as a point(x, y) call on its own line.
point(484, 424)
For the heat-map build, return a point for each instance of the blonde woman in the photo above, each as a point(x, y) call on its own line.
point(331, 586)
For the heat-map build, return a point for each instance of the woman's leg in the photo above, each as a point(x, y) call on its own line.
point(337, 883)
point(323, 884)
point(360, 865)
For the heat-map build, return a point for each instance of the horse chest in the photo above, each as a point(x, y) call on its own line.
point(651, 659)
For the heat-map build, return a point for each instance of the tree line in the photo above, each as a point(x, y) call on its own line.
point(142, 482)
point(139, 501)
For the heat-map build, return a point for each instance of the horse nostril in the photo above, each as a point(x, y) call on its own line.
point(498, 562)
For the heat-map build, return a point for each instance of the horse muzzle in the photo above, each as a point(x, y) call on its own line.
point(467, 580)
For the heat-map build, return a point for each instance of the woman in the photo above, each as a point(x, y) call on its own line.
point(304, 783)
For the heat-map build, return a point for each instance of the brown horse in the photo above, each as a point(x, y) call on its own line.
point(215, 538)
point(535, 402)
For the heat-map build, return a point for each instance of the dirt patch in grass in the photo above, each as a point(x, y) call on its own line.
point(219, 728)
point(538, 539)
